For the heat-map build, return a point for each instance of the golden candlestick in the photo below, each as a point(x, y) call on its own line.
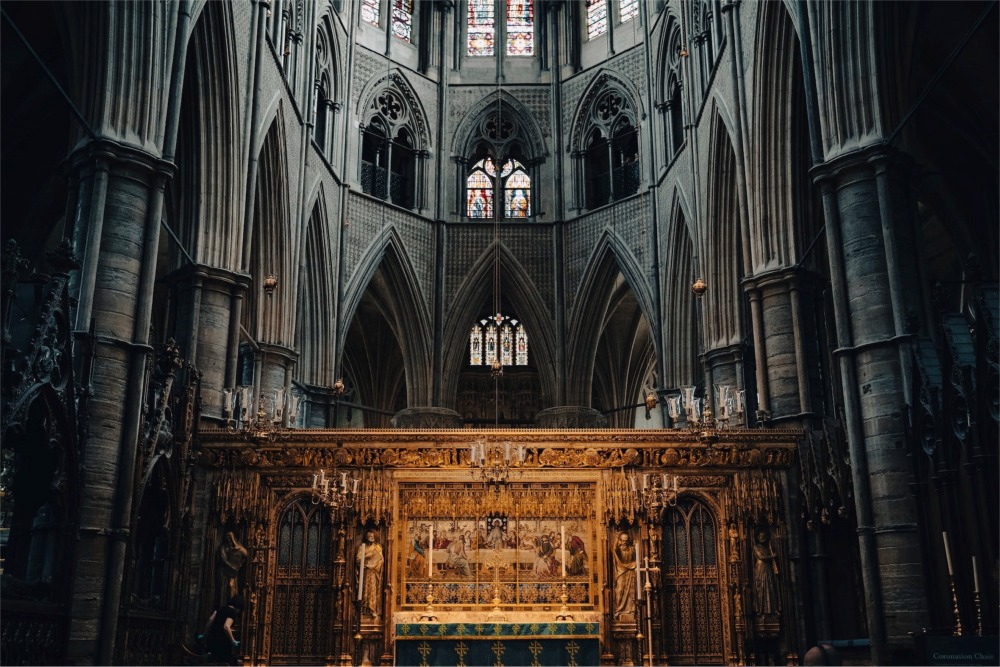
point(429, 614)
point(564, 614)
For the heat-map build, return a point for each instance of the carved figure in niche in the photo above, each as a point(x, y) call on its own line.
point(734, 549)
point(625, 572)
point(576, 564)
point(232, 556)
point(369, 556)
point(765, 576)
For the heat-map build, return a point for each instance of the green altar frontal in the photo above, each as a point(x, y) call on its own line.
point(498, 644)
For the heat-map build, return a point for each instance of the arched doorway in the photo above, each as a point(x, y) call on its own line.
point(301, 586)
point(694, 628)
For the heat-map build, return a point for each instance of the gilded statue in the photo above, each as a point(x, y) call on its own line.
point(625, 573)
point(232, 556)
point(766, 599)
point(368, 568)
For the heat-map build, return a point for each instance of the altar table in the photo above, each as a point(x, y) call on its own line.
point(498, 644)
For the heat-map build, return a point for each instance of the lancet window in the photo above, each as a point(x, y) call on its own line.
point(486, 183)
point(597, 18)
point(402, 19)
point(370, 11)
point(671, 108)
point(516, 18)
point(498, 337)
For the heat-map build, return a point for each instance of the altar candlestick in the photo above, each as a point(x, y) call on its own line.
point(975, 575)
point(361, 577)
point(356, 482)
point(562, 544)
point(315, 479)
point(430, 554)
point(343, 481)
point(947, 552)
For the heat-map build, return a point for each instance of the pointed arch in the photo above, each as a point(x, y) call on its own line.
point(594, 299)
point(721, 239)
point(526, 128)
point(389, 276)
point(272, 241)
point(680, 329)
point(473, 298)
point(415, 115)
point(314, 328)
point(205, 194)
point(604, 80)
point(780, 145)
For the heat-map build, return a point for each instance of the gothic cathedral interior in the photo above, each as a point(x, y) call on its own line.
point(507, 332)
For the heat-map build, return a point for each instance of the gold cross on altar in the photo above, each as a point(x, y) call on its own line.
point(497, 563)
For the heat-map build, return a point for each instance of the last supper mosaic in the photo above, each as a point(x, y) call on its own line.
point(474, 544)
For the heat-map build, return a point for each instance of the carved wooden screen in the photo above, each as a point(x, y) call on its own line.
point(300, 615)
point(693, 622)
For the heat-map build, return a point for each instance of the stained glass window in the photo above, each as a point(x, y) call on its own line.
point(479, 188)
point(597, 18)
point(518, 195)
point(515, 187)
point(402, 19)
point(476, 345)
point(520, 28)
point(522, 346)
point(506, 345)
point(502, 338)
point(628, 9)
point(369, 11)
point(481, 27)
point(491, 344)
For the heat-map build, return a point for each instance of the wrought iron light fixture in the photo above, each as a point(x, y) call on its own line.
point(654, 493)
point(260, 419)
point(335, 495)
point(492, 461)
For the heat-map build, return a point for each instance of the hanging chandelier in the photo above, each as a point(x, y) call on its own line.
point(491, 462)
point(327, 490)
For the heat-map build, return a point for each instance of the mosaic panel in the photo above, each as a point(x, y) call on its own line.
point(478, 543)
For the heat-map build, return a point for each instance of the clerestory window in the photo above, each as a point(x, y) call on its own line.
point(511, 22)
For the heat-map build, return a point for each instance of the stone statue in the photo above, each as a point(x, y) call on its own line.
point(625, 573)
point(232, 556)
point(368, 569)
point(765, 577)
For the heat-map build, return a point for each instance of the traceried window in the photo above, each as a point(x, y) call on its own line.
point(389, 155)
point(485, 183)
point(597, 18)
point(628, 10)
point(498, 337)
point(611, 151)
point(515, 17)
point(402, 19)
point(370, 11)
point(481, 27)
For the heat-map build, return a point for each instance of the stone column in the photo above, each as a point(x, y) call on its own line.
point(204, 298)
point(116, 285)
point(862, 263)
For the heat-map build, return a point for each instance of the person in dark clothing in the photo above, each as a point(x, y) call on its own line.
point(218, 637)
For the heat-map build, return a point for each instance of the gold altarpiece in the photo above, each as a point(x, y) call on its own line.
point(703, 592)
